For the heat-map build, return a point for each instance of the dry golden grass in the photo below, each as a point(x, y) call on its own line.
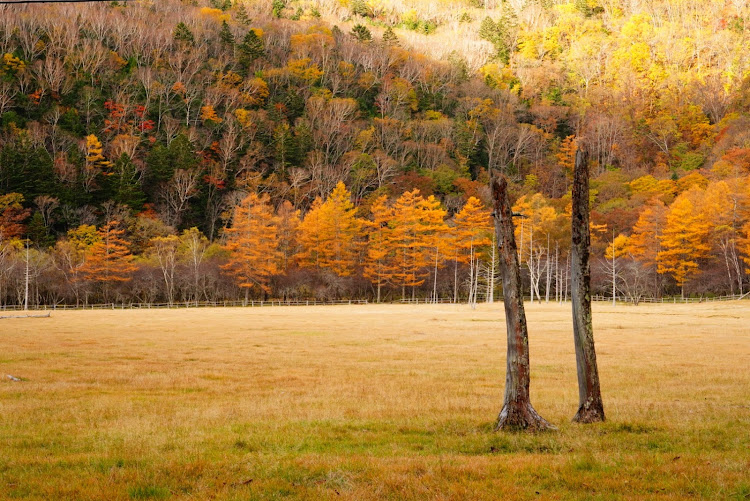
point(369, 402)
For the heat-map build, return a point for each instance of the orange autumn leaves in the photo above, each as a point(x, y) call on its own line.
point(399, 244)
point(703, 220)
point(106, 258)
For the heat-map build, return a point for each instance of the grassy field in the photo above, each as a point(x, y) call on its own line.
point(369, 402)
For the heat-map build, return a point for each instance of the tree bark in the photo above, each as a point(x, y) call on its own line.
point(517, 412)
point(590, 407)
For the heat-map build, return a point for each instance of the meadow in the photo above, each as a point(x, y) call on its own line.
point(369, 402)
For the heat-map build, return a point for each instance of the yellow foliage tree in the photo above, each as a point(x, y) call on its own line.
point(566, 155)
point(209, 114)
point(95, 163)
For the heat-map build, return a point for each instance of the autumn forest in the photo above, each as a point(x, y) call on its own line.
point(343, 149)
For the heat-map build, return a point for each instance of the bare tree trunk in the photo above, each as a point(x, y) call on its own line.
point(614, 270)
point(558, 296)
point(491, 281)
point(472, 271)
point(455, 280)
point(590, 407)
point(434, 283)
point(26, 276)
point(530, 263)
point(517, 411)
point(549, 276)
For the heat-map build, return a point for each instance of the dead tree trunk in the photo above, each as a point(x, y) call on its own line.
point(590, 407)
point(517, 412)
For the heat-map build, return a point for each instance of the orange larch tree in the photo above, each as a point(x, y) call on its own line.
point(310, 237)
point(684, 241)
point(722, 203)
point(645, 241)
point(108, 261)
point(407, 243)
point(252, 242)
point(378, 263)
point(435, 236)
point(329, 235)
point(417, 236)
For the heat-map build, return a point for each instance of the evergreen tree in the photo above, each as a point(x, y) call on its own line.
point(127, 188)
point(360, 8)
point(389, 37)
point(499, 34)
point(38, 233)
point(183, 34)
point(242, 16)
point(277, 7)
point(162, 162)
point(488, 29)
point(251, 48)
point(361, 33)
point(226, 37)
point(27, 170)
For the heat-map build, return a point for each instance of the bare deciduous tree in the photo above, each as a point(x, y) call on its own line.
point(178, 192)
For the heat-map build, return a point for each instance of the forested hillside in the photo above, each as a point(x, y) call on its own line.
point(186, 151)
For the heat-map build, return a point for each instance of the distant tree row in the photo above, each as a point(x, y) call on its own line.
point(407, 247)
point(265, 253)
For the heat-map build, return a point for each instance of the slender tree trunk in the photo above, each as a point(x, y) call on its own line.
point(590, 407)
point(471, 274)
point(531, 263)
point(549, 276)
point(558, 296)
point(26, 276)
point(434, 283)
point(455, 279)
point(491, 281)
point(614, 271)
point(517, 411)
